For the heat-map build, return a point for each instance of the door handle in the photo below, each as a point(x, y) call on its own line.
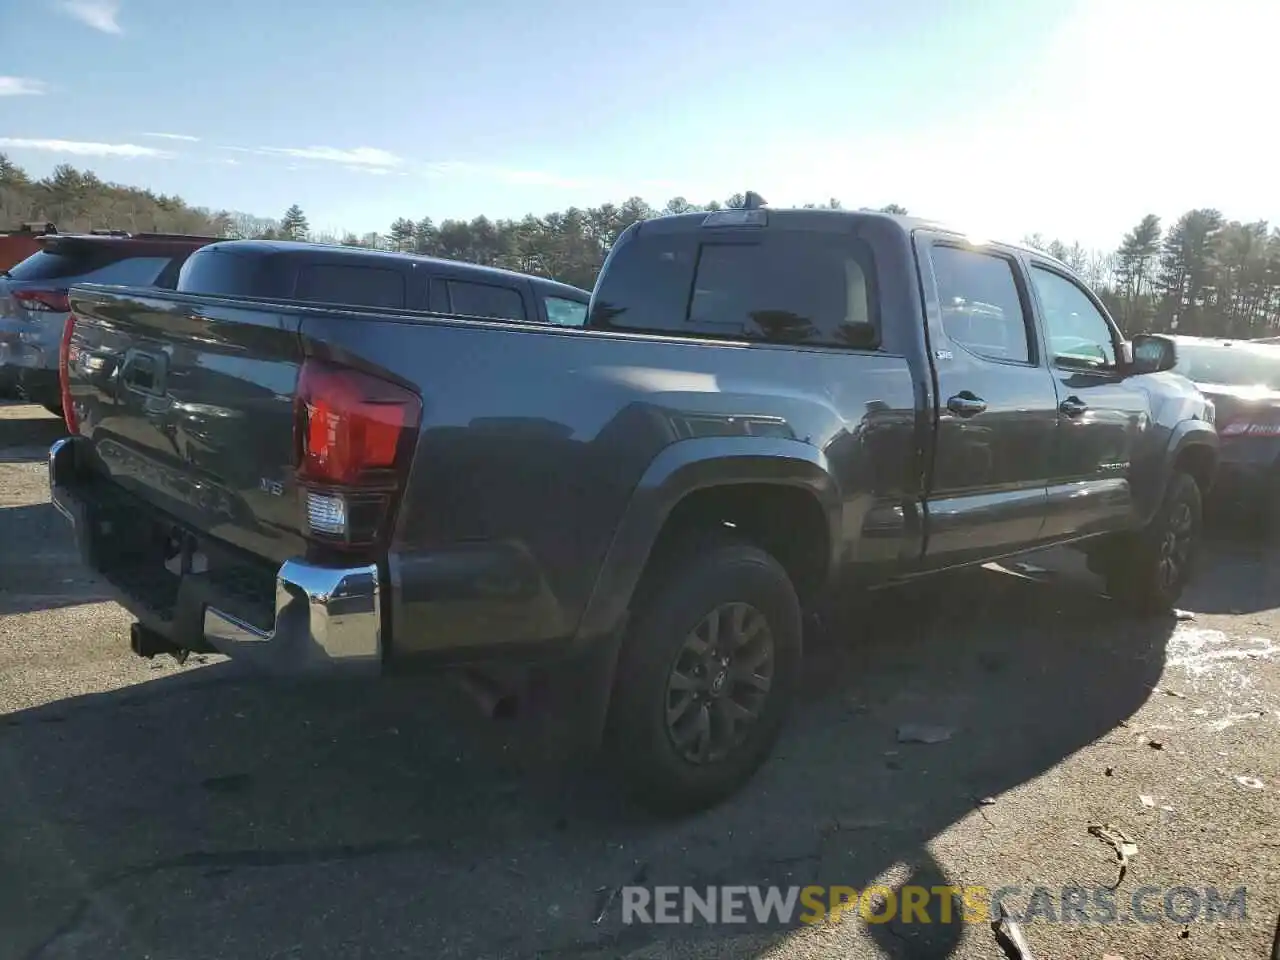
point(1073, 406)
point(965, 404)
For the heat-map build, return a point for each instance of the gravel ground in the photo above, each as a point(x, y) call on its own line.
point(151, 810)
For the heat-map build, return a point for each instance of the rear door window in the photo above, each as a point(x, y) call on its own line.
point(351, 285)
point(485, 300)
point(786, 287)
point(982, 307)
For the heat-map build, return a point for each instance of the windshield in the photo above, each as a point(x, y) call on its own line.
point(1238, 366)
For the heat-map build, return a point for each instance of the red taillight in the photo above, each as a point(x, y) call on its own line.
point(354, 437)
point(43, 301)
point(64, 370)
point(352, 423)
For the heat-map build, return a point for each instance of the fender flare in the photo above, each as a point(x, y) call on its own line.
point(1185, 435)
point(680, 469)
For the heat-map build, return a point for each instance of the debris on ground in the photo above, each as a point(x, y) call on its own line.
point(1125, 846)
point(986, 801)
point(1010, 936)
point(1109, 772)
point(1253, 783)
point(1169, 693)
point(606, 895)
point(1112, 956)
point(923, 733)
point(1183, 614)
point(1155, 744)
point(1147, 799)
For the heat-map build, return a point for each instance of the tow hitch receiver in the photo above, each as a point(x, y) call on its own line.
point(146, 642)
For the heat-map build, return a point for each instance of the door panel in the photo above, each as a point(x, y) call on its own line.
point(997, 405)
point(1101, 415)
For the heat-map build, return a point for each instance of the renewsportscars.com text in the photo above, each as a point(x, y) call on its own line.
point(786, 906)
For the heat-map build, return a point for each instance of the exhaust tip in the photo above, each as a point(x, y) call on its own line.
point(495, 701)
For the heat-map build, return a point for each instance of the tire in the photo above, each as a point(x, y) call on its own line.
point(1148, 571)
point(678, 768)
point(1270, 525)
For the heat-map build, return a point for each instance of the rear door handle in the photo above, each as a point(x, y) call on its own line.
point(966, 404)
point(1073, 406)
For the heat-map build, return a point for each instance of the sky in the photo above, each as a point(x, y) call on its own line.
point(1070, 118)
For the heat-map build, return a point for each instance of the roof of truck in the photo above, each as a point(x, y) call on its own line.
point(798, 215)
point(339, 253)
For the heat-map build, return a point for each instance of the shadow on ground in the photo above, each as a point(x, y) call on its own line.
point(207, 815)
point(26, 432)
point(39, 567)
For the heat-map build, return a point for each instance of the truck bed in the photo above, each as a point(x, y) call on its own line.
point(532, 441)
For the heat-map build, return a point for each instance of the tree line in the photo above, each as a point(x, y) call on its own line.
point(1202, 275)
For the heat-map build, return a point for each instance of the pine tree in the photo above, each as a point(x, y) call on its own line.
point(294, 226)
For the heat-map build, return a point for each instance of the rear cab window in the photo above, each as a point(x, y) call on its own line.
point(484, 300)
point(772, 284)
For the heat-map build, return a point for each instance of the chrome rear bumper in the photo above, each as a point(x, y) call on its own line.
point(326, 619)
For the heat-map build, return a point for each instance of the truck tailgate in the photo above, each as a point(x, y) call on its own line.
point(189, 406)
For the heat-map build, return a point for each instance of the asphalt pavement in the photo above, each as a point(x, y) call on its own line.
point(155, 810)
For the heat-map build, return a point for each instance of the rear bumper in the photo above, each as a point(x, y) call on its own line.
point(17, 350)
point(317, 620)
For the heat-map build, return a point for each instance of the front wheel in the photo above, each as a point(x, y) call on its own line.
point(1148, 571)
point(706, 676)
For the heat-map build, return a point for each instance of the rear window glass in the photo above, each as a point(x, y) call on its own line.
point(813, 288)
point(485, 300)
point(88, 265)
point(60, 263)
point(565, 313)
point(351, 285)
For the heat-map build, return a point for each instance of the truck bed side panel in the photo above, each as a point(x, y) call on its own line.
point(533, 442)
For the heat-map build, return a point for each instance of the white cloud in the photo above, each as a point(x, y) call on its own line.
point(371, 157)
point(173, 136)
point(22, 87)
point(81, 148)
point(99, 14)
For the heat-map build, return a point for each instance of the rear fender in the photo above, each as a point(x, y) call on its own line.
point(679, 470)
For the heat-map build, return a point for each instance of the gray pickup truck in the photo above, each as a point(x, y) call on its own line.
point(763, 407)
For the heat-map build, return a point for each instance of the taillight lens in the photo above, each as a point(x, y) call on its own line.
point(355, 435)
point(64, 371)
point(43, 301)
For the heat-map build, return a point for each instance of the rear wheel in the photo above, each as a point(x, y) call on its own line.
point(1271, 505)
point(1148, 571)
point(706, 676)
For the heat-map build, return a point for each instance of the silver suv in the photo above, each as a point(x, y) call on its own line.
point(33, 297)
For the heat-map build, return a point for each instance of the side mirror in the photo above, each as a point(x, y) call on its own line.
point(1153, 353)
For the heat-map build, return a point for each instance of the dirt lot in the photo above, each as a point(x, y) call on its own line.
point(151, 810)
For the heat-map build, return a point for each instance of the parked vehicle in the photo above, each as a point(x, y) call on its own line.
point(1242, 377)
point(765, 406)
point(18, 244)
point(33, 296)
